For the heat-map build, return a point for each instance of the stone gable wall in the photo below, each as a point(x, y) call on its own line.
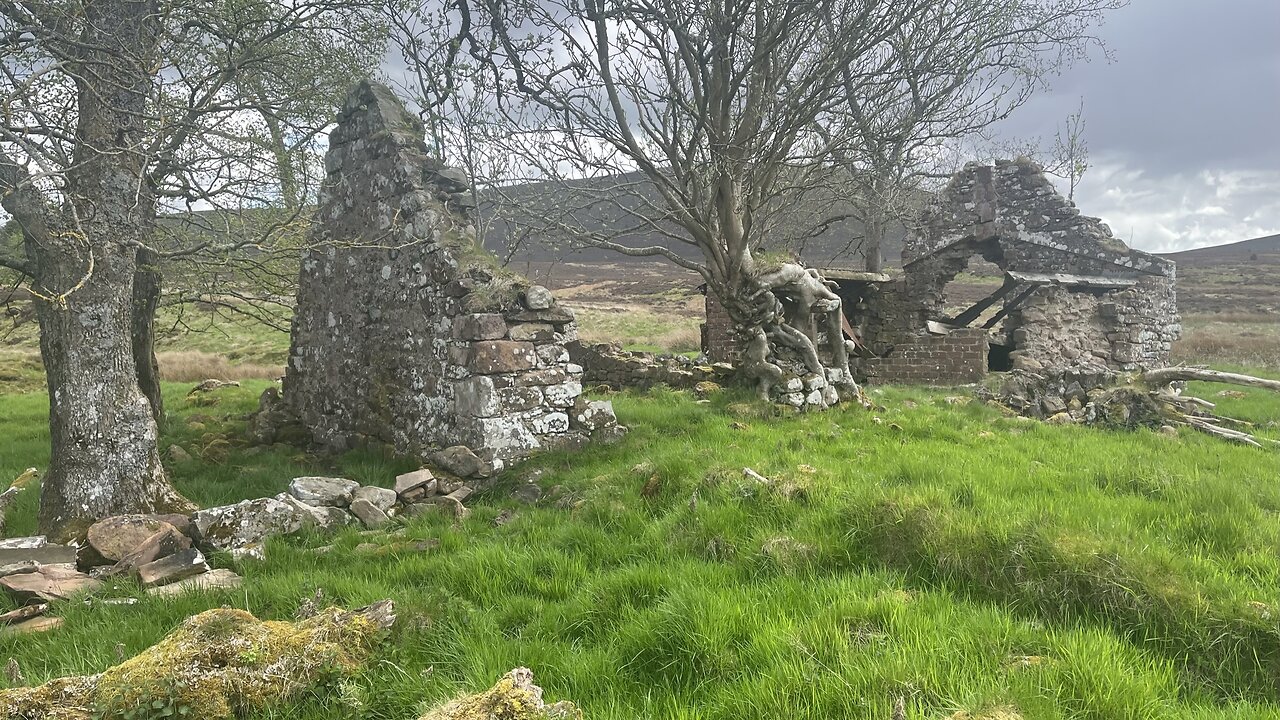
point(404, 332)
point(1039, 230)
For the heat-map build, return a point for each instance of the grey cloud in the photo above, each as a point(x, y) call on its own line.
point(1182, 126)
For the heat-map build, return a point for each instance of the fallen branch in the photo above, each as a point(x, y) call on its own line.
point(1164, 376)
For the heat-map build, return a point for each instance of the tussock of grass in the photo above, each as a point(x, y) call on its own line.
point(973, 565)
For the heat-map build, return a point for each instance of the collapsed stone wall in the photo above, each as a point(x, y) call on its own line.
point(405, 331)
point(610, 365)
point(1016, 201)
point(1011, 215)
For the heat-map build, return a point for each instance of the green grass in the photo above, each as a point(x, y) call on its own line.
point(943, 553)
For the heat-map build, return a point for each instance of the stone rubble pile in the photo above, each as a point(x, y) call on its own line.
point(167, 553)
point(1055, 395)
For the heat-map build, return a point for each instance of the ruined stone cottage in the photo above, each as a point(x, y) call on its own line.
point(1065, 293)
point(406, 331)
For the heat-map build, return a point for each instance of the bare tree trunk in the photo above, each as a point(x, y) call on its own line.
point(873, 242)
point(146, 299)
point(104, 457)
point(1164, 376)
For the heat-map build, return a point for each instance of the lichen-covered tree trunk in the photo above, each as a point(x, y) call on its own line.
point(104, 458)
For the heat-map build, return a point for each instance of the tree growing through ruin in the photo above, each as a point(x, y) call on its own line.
point(700, 125)
point(112, 111)
point(695, 118)
point(1070, 152)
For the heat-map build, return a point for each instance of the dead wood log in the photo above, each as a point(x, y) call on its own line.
point(1194, 412)
point(1165, 376)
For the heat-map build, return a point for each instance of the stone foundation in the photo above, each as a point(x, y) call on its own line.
point(610, 365)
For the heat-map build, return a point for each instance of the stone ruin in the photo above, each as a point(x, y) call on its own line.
point(406, 331)
point(1072, 295)
point(1072, 300)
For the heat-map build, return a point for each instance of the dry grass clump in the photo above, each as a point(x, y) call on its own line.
point(1243, 344)
point(195, 365)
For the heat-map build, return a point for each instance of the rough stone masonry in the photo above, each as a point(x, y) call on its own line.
point(1074, 297)
point(406, 331)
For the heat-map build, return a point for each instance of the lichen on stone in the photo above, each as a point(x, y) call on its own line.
point(216, 664)
point(514, 697)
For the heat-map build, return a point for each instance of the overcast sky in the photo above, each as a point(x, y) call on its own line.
point(1183, 128)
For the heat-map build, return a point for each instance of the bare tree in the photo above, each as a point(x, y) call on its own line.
point(695, 121)
point(957, 69)
point(1069, 157)
point(111, 111)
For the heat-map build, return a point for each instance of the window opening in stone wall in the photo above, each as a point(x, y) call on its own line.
point(1000, 357)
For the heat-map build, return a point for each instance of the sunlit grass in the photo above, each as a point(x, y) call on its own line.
point(937, 552)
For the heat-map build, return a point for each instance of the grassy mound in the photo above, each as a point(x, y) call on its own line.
point(934, 553)
point(219, 664)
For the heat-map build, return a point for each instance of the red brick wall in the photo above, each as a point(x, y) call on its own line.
point(957, 358)
point(719, 343)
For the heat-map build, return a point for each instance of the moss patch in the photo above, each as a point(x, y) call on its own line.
point(214, 665)
point(514, 697)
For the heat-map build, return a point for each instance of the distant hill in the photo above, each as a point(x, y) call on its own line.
point(1264, 249)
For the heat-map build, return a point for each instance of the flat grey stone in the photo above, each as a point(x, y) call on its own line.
point(381, 498)
point(18, 568)
point(160, 545)
point(207, 582)
point(323, 517)
point(24, 543)
point(416, 484)
point(173, 568)
point(370, 515)
point(323, 491)
point(249, 522)
point(48, 582)
point(46, 555)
